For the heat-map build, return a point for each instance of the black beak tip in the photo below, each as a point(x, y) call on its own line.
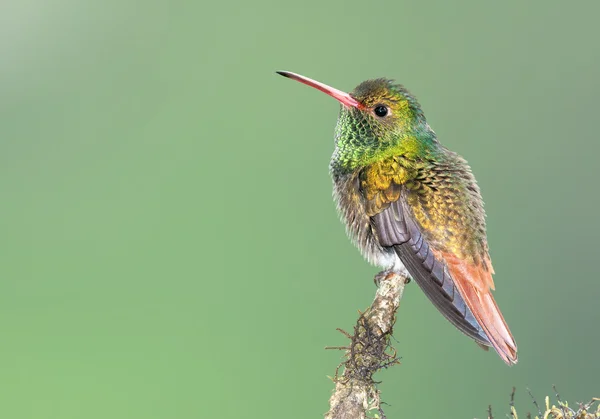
point(283, 73)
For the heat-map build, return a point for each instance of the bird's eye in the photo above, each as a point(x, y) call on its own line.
point(380, 111)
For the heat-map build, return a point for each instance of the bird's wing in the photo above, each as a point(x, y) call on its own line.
point(458, 285)
point(396, 230)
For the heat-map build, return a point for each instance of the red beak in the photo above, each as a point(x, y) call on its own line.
point(343, 97)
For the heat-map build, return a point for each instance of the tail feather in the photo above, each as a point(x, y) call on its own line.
point(480, 301)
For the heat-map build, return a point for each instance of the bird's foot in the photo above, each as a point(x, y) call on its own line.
point(381, 276)
point(388, 274)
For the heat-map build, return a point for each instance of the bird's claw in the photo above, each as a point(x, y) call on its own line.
point(384, 275)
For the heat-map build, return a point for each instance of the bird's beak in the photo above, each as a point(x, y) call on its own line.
point(343, 97)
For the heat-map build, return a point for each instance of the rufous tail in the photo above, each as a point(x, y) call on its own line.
point(474, 284)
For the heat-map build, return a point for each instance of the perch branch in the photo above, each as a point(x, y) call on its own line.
point(355, 395)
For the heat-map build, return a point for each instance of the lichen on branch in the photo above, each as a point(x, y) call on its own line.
point(562, 410)
point(356, 395)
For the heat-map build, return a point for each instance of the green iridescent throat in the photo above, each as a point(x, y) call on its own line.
point(361, 140)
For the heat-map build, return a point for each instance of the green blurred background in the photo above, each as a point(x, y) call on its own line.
point(170, 248)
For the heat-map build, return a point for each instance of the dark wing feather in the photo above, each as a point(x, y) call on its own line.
point(396, 229)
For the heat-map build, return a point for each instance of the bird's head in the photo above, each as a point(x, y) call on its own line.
point(377, 119)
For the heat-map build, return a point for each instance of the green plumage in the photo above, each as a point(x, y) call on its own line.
point(443, 193)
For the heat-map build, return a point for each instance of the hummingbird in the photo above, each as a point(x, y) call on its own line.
point(413, 207)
